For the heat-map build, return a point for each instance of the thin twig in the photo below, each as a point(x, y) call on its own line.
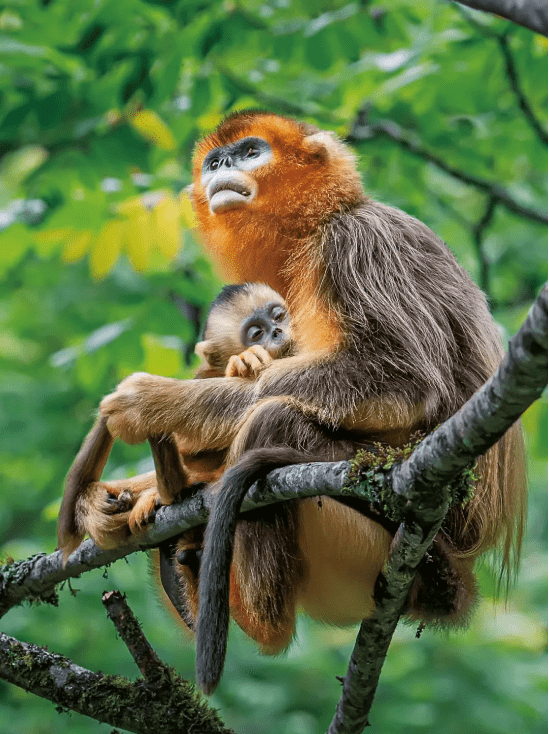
point(512, 75)
point(478, 234)
point(502, 39)
point(129, 629)
point(364, 130)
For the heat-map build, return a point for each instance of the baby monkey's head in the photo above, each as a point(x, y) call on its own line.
point(243, 316)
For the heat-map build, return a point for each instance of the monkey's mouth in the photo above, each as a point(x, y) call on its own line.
point(230, 191)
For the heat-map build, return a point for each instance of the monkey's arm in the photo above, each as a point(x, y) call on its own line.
point(205, 413)
point(87, 468)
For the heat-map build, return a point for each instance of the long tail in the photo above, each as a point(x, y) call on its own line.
point(213, 615)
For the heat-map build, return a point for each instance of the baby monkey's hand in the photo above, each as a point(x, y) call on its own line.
point(249, 363)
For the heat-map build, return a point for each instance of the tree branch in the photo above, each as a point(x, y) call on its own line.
point(170, 704)
point(364, 130)
point(477, 234)
point(519, 381)
point(528, 13)
point(511, 71)
point(443, 453)
point(512, 75)
point(129, 629)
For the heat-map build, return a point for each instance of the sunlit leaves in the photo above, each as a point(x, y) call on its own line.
point(106, 248)
point(162, 356)
point(143, 225)
point(166, 217)
point(77, 245)
point(151, 126)
point(15, 167)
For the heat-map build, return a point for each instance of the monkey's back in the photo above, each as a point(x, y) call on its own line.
point(419, 327)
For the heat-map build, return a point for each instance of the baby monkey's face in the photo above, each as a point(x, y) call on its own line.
point(268, 327)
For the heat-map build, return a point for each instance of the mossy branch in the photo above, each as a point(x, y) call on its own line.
point(166, 704)
point(423, 481)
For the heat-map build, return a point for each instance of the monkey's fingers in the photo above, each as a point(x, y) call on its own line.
point(144, 509)
point(261, 353)
point(249, 363)
point(254, 363)
point(236, 367)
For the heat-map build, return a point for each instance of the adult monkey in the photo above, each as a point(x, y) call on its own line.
point(392, 336)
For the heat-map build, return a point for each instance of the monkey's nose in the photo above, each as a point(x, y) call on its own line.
point(276, 332)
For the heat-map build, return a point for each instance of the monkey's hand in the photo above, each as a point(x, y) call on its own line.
point(139, 407)
point(249, 363)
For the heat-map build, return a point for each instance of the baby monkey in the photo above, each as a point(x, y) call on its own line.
point(250, 317)
point(248, 326)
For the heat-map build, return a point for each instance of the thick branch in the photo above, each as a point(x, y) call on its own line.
point(528, 13)
point(171, 706)
point(35, 578)
point(519, 381)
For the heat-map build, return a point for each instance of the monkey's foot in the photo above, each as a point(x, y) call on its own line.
point(103, 514)
point(144, 509)
point(108, 511)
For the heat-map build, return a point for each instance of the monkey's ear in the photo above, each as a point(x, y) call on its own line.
point(201, 349)
point(190, 189)
point(322, 145)
point(208, 351)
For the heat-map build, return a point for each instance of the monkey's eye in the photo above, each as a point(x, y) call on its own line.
point(214, 164)
point(251, 152)
point(278, 313)
point(255, 333)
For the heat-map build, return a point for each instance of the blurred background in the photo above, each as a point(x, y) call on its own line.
point(100, 275)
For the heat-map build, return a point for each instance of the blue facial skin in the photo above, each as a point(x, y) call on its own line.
point(244, 155)
point(268, 327)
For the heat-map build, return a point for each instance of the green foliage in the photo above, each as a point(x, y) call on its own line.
point(100, 105)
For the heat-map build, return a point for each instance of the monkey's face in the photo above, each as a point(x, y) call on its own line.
point(225, 175)
point(262, 182)
point(269, 327)
point(260, 164)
